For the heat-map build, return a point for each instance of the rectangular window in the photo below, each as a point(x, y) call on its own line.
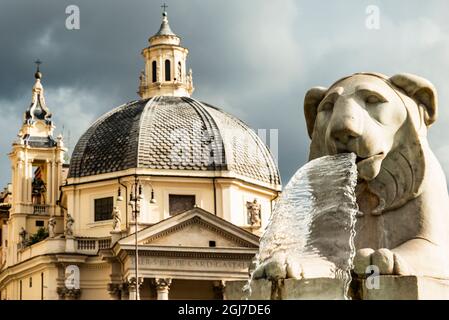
point(31, 282)
point(154, 71)
point(39, 223)
point(103, 208)
point(180, 203)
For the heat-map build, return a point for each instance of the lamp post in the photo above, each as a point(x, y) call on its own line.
point(135, 197)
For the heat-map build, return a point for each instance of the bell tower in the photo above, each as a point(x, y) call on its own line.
point(36, 161)
point(165, 65)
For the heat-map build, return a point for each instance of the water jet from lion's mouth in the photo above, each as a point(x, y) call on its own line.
point(311, 230)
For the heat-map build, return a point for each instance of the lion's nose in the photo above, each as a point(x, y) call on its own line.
point(344, 134)
point(345, 124)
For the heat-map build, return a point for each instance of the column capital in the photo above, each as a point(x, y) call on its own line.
point(68, 294)
point(162, 287)
point(162, 283)
point(134, 288)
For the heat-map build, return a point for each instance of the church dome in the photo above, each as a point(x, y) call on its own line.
point(167, 134)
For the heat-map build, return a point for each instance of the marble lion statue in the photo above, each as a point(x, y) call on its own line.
point(403, 222)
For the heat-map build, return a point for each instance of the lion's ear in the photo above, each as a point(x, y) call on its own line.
point(311, 101)
point(420, 90)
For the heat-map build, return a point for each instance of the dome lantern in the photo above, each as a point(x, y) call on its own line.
point(165, 65)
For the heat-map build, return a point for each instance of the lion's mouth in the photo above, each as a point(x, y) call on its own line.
point(369, 167)
point(363, 160)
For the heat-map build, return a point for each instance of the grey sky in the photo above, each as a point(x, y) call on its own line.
point(255, 59)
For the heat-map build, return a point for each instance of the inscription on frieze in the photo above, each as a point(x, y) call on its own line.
point(201, 264)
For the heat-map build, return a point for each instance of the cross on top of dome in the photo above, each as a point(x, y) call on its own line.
point(165, 29)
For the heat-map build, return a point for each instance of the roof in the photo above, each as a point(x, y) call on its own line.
point(196, 215)
point(165, 29)
point(173, 133)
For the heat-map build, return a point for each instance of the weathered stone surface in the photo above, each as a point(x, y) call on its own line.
point(260, 290)
point(312, 289)
point(233, 290)
point(407, 288)
point(288, 289)
point(389, 288)
point(362, 260)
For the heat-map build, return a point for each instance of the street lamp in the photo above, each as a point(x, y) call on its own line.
point(135, 197)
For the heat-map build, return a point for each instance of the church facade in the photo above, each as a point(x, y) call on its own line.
point(165, 197)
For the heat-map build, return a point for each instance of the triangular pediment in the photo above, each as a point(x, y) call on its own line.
point(194, 228)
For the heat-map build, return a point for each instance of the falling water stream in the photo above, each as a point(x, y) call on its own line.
point(312, 228)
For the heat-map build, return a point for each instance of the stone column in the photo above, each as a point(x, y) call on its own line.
point(29, 180)
point(133, 289)
point(18, 197)
point(162, 287)
point(49, 193)
point(219, 290)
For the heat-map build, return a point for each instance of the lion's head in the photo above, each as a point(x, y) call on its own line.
point(382, 120)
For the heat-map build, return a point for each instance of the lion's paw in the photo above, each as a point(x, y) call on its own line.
point(386, 261)
point(273, 269)
point(294, 266)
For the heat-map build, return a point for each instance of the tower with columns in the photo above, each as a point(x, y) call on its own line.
point(37, 163)
point(165, 65)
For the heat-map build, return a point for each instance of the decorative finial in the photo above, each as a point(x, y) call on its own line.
point(38, 74)
point(164, 7)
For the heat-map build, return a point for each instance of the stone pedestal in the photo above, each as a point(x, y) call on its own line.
point(260, 290)
point(304, 289)
point(288, 289)
point(381, 288)
point(234, 290)
point(115, 236)
point(70, 244)
point(404, 288)
point(312, 289)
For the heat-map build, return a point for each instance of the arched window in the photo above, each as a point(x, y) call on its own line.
point(179, 71)
point(167, 70)
point(154, 71)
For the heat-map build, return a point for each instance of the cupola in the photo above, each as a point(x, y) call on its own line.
point(165, 72)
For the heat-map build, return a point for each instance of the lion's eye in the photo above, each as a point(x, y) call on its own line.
point(373, 99)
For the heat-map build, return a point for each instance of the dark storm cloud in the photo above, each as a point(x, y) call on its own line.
point(255, 59)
